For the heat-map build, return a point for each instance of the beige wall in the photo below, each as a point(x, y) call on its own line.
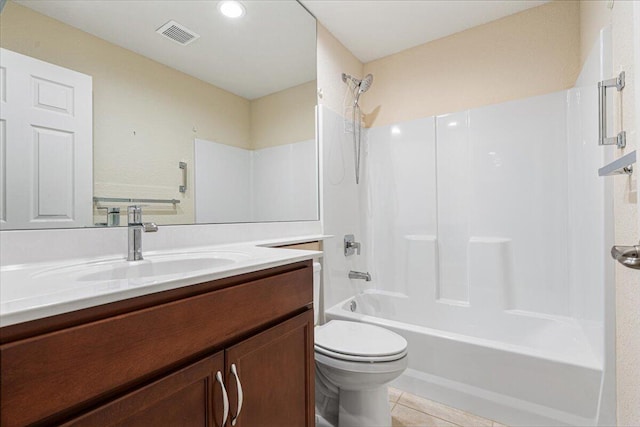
point(284, 117)
point(530, 53)
point(333, 60)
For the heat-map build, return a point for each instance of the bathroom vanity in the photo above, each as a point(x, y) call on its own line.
point(241, 344)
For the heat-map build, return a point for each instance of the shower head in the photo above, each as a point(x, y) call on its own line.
point(362, 86)
point(365, 84)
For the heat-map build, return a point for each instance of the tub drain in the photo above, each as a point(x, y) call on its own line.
point(353, 305)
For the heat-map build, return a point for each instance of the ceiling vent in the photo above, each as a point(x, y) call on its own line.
point(178, 33)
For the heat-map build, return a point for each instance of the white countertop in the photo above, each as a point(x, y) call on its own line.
point(37, 290)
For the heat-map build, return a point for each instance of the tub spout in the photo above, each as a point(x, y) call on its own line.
point(359, 275)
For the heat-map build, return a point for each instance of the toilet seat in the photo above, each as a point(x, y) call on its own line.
point(366, 359)
point(359, 342)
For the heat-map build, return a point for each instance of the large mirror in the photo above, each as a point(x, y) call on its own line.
point(196, 116)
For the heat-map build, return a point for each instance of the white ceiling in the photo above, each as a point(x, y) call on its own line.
point(372, 29)
point(270, 49)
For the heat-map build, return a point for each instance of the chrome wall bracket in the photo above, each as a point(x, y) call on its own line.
point(619, 140)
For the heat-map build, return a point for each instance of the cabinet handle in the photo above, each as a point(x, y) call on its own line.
point(234, 371)
point(225, 399)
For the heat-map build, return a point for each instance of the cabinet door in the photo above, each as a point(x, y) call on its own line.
point(190, 397)
point(275, 370)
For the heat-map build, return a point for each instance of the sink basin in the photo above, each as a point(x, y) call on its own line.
point(184, 264)
point(153, 267)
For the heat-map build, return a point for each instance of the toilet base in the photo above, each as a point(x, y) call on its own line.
point(364, 408)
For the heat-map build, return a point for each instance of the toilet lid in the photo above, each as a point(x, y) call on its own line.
point(358, 339)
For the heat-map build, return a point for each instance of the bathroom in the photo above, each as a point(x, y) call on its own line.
point(482, 82)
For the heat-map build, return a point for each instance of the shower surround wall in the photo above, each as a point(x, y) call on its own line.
point(494, 227)
point(268, 184)
point(484, 233)
point(341, 207)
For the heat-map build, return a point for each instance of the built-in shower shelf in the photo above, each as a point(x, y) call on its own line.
point(623, 165)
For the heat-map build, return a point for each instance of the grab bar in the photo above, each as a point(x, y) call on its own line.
point(183, 187)
point(621, 139)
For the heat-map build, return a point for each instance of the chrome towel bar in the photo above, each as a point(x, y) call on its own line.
point(128, 200)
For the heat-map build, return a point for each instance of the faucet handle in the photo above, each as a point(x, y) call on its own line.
point(149, 227)
point(356, 245)
point(350, 245)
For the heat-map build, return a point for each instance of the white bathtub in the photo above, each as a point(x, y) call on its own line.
point(515, 367)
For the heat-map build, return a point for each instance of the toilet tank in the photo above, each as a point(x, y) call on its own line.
point(316, 291)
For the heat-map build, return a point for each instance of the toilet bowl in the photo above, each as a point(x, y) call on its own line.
point(354, 363)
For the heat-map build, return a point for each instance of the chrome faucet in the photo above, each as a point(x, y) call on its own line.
point(136, 227)
point(359, 275)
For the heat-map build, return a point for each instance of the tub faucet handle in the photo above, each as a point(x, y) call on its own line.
point(350, 245)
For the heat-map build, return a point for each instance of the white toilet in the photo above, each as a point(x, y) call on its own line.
point(354, 363)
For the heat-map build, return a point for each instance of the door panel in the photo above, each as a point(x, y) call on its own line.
point(54, 180)
point(52, 96)
point(276, 373)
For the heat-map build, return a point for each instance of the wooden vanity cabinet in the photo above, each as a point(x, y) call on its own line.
point(186, 397)
point(156, 361)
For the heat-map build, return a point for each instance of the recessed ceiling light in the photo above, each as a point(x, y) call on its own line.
point(231, 9)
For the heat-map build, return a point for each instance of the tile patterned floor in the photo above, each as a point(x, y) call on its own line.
point(408, 410)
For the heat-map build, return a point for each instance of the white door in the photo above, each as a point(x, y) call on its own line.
point(46, 159)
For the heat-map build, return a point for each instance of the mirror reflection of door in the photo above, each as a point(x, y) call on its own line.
point(45, 144)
